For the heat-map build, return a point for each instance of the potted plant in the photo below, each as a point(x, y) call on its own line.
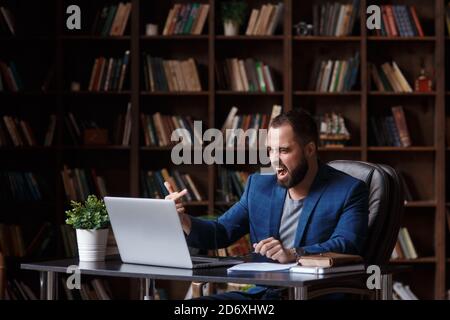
point(233, 15)
point(91, 221)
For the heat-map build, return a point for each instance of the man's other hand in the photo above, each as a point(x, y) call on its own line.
point(273, 249)
point(176, 196)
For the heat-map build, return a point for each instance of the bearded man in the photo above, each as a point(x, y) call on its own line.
point(307, 207)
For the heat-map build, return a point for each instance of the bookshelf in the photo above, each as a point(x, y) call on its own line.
point(291, 58)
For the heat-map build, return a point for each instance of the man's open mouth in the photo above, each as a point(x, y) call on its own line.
point(281, 172)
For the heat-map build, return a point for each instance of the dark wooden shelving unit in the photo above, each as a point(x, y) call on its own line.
point(424, 163)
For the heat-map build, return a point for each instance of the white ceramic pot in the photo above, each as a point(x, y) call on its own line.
point(231, 28)
point(92, 244)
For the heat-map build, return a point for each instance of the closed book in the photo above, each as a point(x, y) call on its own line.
point(200, 21)
point(400, 121)
point(329, 259)
point(323, 270)
point(252, 22)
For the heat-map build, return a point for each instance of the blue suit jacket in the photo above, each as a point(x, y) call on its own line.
point(334, 216)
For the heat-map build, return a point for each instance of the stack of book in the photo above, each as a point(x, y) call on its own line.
point(333, 131)
point(20, 132)
point(389, 77)
point(7, 22)
point(40, 243)
point(109, 74)
point(402, 292)
point(11, 241)
point(50, 133)
point(152, 184)
point(404, 248)
point(157, 129)
point(9, 77)
point(112, 20)
point(240, 129)
point(69, 241)
point(230, 184)
point(335, 19)
point(18, 290)
point(391, 130)
point(245, 75)
point(240, 248)
point(399, 21)
point(95, 289)
point(186, 19)
point(79, 183)
point(170, 75)
point(334, 75)
point(77, 127)
point(264, 21)
point(22, 186)
point(236, 126)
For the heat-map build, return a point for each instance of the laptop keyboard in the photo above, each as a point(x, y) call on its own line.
point(207, 262)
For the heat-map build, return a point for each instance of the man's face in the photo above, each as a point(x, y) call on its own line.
point(286, 156)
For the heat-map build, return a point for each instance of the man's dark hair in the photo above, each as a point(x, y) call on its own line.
point(303, 124)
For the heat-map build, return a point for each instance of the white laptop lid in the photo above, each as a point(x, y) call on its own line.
point(148, 231)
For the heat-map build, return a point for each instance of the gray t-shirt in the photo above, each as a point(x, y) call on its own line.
point(292, 210)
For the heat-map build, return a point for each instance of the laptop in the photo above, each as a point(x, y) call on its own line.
point(149, 231)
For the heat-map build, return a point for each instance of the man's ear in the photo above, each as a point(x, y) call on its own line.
point(310, 149)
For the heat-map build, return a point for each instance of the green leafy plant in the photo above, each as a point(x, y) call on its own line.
point(234, 11)
point(91, 214)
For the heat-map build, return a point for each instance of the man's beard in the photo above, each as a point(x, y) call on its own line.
point(296, 176)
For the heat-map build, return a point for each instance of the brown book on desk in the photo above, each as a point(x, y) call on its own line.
point(329, 259)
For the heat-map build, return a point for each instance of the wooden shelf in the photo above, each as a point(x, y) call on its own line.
point(96, 148)
point(340, 149)
point(247, 38)
point(327, 38)
point(27, 204)
point(247, 93)
point(403, 149)
point(402, 39)
point(224, 203)
point(175, 93)
point(94, 38)
point(26, 38)
point(420, 204)
point(27, 93)
point(164, 148)
point(175, 37)
point(327, 94)
point(402, 94)
point(28, 149)
point(291, 57)
point(424, 260)
point(97, 93)
point(196, 203)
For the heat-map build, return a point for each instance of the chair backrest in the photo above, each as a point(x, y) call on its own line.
point(2, 277)
point(385, 206)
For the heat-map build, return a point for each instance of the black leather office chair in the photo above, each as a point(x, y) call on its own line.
point(385, 213)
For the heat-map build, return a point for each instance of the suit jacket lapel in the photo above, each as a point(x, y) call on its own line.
point(276, 209)
point(317, 188)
